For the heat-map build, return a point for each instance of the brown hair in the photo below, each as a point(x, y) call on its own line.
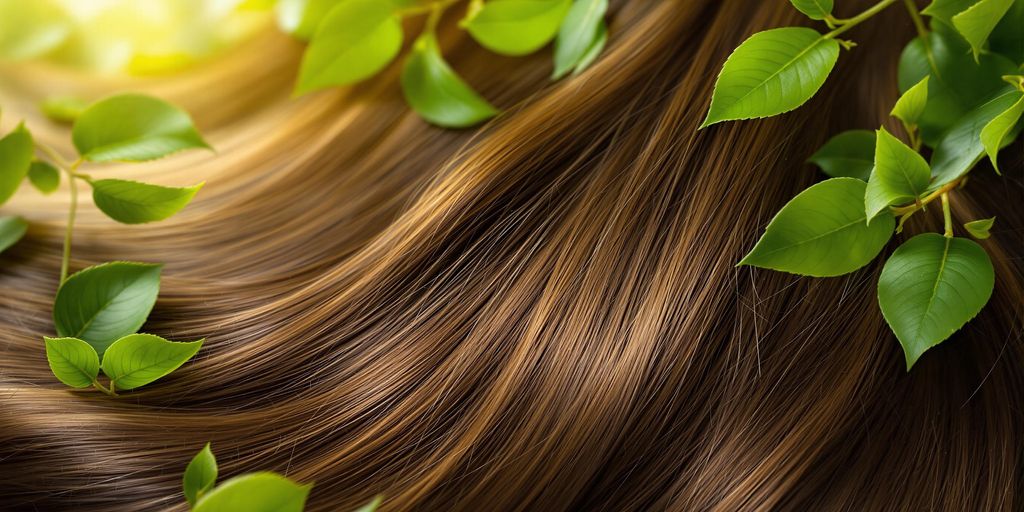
point(543, 314)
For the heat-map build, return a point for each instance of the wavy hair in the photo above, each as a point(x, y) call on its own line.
point(542, 314)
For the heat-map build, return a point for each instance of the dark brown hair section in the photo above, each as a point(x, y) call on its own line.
point(544, 314)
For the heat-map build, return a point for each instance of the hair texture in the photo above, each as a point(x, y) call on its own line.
point(542, 314)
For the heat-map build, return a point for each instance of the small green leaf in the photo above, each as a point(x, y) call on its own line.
point(930, 287)
point(73, 361)
point(978, 21)
point(912, 103)
point(851, 154)
point(132, 202)
point(994, 136)
point(596, 47)
point(357, 39)
point(434, 91)
point(15, 159)
point(944, 10)
point(44, 177)
point(980, 228)
point(371, 506)
point(138, 359)
point(133, 128)
point(104, 303)
point(516, 27)
point(772, 72)
point(63, 109)
point(255, 492)
point(957, 86)
point(31, 29)
point(11, 230)
point(901, 175)
point(814, 9)
point(200, 475)
point(961, 147)
point(580, 28)
point(822, 232)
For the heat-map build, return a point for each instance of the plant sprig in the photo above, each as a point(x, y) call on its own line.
point(352, 40)
point(264, 491)
point(962, 99)
point(98, 311)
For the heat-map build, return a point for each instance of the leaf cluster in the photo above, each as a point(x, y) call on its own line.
point(962, 99)
point(98, 311)
point(352, 40)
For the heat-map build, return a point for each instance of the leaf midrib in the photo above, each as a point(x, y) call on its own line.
point(781, 69)
point(935, 287)
point(818, 237)
point(137, 370)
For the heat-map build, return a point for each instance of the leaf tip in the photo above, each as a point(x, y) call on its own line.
point(708, 121)
point(910, 359)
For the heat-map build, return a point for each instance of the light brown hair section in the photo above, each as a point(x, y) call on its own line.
point(544, 314)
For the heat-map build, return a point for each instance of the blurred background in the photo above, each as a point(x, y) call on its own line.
point(134, 37)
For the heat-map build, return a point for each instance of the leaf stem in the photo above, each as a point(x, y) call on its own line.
point(70, 168)
point(922, 32)
point(847, 24)
point(915, 139)
point(920, 204)
point(65, 260)
point(436, 9)
point(1016, 81)
point(946, 217)
point(109, 392)
point(53, 154)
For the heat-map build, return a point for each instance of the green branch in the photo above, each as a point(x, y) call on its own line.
point(847, 24)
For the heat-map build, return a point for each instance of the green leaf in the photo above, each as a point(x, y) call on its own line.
point(31, 29)
point(138, 359)
point(434, 91)
point(255, 492)
point(978, 21)
point(850, 154)
point(133, 128)
point(132, 202)
point(371, 506)
point(44, 177)
point(959, 85)
point(580, 28)
point(300, 18)
point(11, 230)
point(772, 72)
point(104, 303)
point(357, 39)
point(822, 232)
point(200, 475)
point(961, 147)
point(912, 103)
point(814, 9)
point(63, 109)
point(73, 361)
point(980, 228)
point(994, 136)
point(515, 27)
point(944, 10)
point(15, 159)
point(596, 47)
point(901, 175)
point(930, 287)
